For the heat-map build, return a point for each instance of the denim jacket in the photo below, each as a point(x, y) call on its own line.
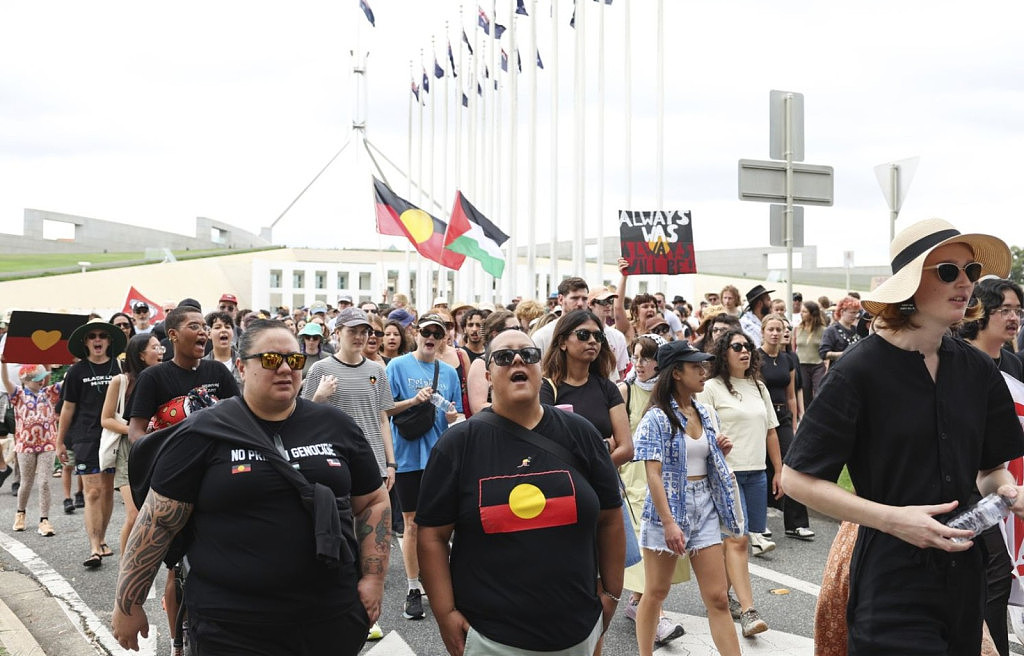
point(655, 440)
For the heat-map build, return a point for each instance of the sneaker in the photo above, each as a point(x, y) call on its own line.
point(800, 533)
point(14, 488)
point(79, 500)
point(629, 610)
point(668, 631)
point(413, 605)
point(69, 507)
point(759, 546)
point(5, 473)
point(45, 528)
point(767, 534)
point(734, 607)
point(751, 623)
point(376, 633)
point(19, 520)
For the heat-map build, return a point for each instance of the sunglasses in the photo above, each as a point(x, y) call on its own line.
point(505, 357)
point(122, 326)
point(737, 347)
point(272, 360)
point(584, 335)
point(91, 336)
point(949, 272)
point(432, 334)
point(604, 302)
point(661, 329)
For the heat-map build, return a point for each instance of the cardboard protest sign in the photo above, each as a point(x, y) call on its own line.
point(658, 242)
point(40, 337)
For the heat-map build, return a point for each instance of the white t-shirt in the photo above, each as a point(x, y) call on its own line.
point(745, 418)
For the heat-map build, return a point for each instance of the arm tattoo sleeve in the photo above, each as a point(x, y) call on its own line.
point(158, 522)
point(374, 538)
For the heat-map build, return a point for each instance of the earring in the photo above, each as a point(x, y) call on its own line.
point(907, 307)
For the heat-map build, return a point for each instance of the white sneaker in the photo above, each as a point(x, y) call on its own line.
point(667, 631)
point(760, 546)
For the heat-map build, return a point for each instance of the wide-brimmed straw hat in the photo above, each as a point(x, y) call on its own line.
point(911, 247)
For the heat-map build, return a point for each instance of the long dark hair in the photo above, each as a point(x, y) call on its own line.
point(662, 394)
point(555, 366)
point(134, 363)
point(403, 344)
point(720, 365)
point(131, 323)
point(817, 320)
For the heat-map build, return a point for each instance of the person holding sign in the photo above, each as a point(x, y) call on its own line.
point(643, 308)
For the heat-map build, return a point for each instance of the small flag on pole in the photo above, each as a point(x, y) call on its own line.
point(365, 6)
point(499, 29)
point(540, 62)
point(484, 22)
point(438, 71)
point(415, 90)
point(504, 60)
point(521, 8)
point(451, 59)
point(465, 39)
point(426, 82)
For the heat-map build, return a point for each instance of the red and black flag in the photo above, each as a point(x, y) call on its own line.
point(527, 502)
point(397, 216)
point(41, 337)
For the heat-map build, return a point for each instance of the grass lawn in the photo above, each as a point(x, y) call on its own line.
point(47, 261)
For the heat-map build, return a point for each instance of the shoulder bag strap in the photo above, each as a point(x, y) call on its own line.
point(534, 438)
point(119, 410)
point(437, 370)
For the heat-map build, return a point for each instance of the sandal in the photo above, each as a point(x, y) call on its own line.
point(93, 561)
point(105, 551)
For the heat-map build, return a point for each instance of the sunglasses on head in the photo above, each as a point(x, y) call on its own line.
point(949, 272)
point(584, 335)
point(432, 334)
point(505, 357)
point(272, 360)
point(737, 346)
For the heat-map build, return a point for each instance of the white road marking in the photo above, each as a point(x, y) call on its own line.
point(390, 645)
point(77, 610)
point(784, 579)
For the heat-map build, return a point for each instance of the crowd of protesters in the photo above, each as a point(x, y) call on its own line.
point(697, 407)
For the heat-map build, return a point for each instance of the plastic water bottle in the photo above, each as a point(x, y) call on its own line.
point(439, 401)
point(985, 513)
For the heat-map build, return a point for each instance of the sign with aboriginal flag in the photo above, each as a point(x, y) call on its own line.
point(658, 242)
point(1012, 525)
point(527, 501)
point(40, 337)
point(397, 216)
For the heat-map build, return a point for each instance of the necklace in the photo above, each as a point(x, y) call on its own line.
point(774, 358)
point(98, 386)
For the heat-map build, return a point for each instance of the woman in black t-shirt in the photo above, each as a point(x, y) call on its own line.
point(262, 581)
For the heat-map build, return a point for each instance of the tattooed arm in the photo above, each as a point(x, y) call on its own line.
point(159, 521)
point(373, 530)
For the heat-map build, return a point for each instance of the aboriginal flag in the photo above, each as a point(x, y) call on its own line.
point(397, 216)
point(527, 502)
point(41, 337)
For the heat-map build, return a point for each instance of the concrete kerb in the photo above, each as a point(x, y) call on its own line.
point(32, 622)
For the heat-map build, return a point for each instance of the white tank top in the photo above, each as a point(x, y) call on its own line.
point(697, 452)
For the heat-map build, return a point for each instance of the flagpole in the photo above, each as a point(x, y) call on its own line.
point(444, 140)
point(496, 113)
point(553, 223)
point(628, 146)
point(432, 156)
point(421, 265)
point(600, 144)
point(579, 261)
point(660, 145)
point(510, 281)
point(403, 285)
point(531, 194)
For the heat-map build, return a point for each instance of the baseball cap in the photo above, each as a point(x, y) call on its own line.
point(351, 316)
point(33, 372)
point(601, 294)
point(432, 319)
point(679, 351)
point(140, 307)
point(345, 298)
point(318, 307)
point(228, 298)
point(402, 316)
point(190, 302)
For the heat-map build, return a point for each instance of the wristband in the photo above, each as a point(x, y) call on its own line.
point(393, 465)
point(610, 596)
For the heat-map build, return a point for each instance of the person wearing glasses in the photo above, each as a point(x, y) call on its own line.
point(311, 338)
point(576, 372)
point(842, 332)
point(141, 315)
point(410, 377)
point(143, 351)
point(97, 345)
point(537, 543)
point(479, 388)
point(600, 302)
point(918, 418)
point(372, 347)
point(734, 390)
point(168, 392)
point(124, 322)
point(260, 580)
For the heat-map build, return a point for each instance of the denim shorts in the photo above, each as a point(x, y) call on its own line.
point(701, 515)
point(754, 499)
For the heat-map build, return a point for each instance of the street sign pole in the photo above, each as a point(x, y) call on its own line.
point(789, 202)
point(894, 200)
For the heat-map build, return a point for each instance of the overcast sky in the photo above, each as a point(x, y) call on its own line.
point(155, 114)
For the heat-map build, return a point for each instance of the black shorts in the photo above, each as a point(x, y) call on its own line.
point(341, 635)
point(407, 484)
point(87, 459)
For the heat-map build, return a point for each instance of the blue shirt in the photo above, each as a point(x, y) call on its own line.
point(407, 376)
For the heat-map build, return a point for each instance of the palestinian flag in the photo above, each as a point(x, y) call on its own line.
point(397, 216)
point(471, 233)
point(41, 337)
point(527, 502)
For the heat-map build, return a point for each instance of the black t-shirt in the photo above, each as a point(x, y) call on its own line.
point(523, 558)
point(162, 382)
point(908, 440)
point(85, 385)
point(1010, 364)
point(592, 400)
point(254, 554)
point(472, 356)
point(775, 374)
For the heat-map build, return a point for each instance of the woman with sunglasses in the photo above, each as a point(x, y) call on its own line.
point(576, 370)
point(479, 388)
point(373, 340)
point(735, 391)
point(124, 322)
point(475, 482)
point(842, 332)
point(260, 581)
point(919, 419)
point(690, 495)
point(312, 345)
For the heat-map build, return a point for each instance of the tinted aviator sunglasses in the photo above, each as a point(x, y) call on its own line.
point(505, 357)
point(272, 360)
point(584, 335)
point(949, 272)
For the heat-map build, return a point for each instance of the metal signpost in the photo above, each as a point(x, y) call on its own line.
point(895, 179)
point(773, 181)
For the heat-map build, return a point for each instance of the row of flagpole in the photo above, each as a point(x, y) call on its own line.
point(485, 158)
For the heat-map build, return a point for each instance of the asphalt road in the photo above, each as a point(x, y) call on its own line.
point(785, 584)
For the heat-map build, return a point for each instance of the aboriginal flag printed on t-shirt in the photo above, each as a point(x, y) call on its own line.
point(527, 501)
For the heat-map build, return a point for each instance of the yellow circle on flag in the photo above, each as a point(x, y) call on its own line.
point(526, 501)
point(419, 224)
